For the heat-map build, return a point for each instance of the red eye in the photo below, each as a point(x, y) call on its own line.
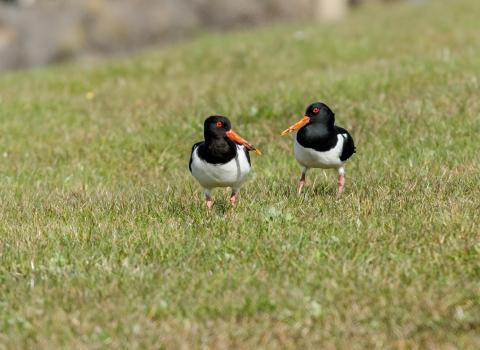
point(219, 124)
point(316, 110)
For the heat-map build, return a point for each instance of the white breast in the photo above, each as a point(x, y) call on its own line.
point(310, 158)
point(231, 174)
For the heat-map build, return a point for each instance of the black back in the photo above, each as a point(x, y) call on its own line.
point(216, 153)
point(317, 136)
point(247, 154)
point(191, 154)
point(348, 145)
point(217, 147)
point(321, 134)
point(207, 156)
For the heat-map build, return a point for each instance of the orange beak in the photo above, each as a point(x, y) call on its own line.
point(232, 135)
point(305, 120)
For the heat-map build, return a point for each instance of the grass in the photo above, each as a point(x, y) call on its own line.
point(104, 240)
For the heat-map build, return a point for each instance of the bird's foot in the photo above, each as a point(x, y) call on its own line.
point(341, 183)
point(233, 198)
point(209, 203)
point(208, 200)
point(301, 183)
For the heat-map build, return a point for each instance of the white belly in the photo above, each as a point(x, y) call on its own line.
point(231, 174)
point(311, 158)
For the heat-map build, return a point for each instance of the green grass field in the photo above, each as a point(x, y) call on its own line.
point(105, 242)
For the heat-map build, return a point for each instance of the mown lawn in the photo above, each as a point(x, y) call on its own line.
point(104, 240)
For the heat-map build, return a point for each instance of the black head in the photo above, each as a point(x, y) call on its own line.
point(216, 126)
point(218, 130)
point(317, 113)
point(320, 113)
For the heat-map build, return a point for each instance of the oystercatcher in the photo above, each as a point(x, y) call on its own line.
point(319, 143)
point(222, 160)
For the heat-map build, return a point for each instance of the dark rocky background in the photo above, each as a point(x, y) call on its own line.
point(40, 32)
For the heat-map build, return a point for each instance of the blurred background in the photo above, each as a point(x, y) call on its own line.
point(40, 32)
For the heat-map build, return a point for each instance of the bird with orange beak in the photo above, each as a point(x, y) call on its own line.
point(319, 143)
point(222, 159)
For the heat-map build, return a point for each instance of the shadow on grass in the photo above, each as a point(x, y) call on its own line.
point(194, 207)
point(322, 189)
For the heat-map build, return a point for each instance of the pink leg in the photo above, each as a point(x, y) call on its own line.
point(301, 183)
point(233, 197)
point(208, 199)
point(341, 180)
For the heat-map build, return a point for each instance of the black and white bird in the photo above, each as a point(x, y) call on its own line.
point(319, 143)
point(222, 159)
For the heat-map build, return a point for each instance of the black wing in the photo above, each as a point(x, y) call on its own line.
point(191, 154)
point(247, 153)
point(348, 145)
